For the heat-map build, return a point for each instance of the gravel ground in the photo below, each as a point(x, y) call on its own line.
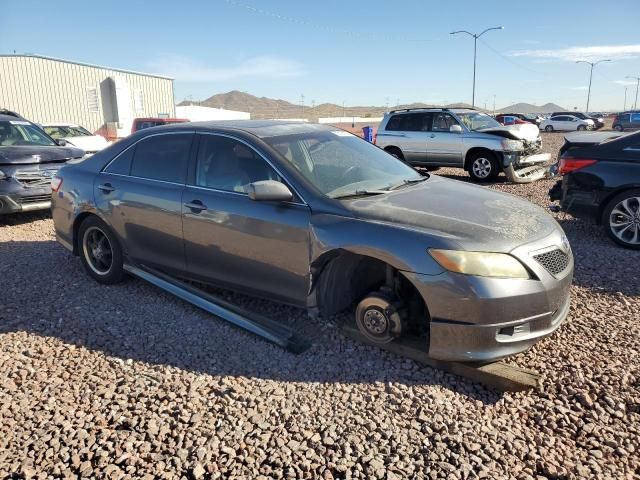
point(128, 382)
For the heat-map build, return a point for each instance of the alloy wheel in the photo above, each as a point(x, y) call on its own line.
point(97, 250)
point(481, 167)
point(624, 220)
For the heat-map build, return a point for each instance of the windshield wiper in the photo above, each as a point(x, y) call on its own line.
point(407, 182)
point(361, 193)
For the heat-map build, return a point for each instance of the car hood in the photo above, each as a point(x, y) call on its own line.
point(519, 131)
point(474, 217)
point(88, 143)
point(28, 154)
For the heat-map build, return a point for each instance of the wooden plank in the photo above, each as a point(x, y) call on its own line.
point(497, 375)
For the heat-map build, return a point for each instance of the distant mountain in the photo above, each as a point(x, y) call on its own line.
point(263, 107)
point(529, 108)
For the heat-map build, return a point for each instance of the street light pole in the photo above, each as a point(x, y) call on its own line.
point(593, 64)
point(637, 79)
point(475, 50)
point(625, 99)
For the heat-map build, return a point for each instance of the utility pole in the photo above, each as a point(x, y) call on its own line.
point(625, 99)
point(475, 49)
point(593, 64)
point(494, 105)
point(637, 79)
point(343, 115)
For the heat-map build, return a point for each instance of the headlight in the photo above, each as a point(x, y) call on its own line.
point(508, 144)
point(483, 264)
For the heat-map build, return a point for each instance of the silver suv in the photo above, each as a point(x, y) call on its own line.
point(464, 138)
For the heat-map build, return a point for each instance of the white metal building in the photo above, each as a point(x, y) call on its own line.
point(196, 113)
point(102, 99)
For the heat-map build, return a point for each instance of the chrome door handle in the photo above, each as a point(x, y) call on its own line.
point(196, 205)
point(106, 188)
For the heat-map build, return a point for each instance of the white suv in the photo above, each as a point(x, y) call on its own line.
point(464, 138)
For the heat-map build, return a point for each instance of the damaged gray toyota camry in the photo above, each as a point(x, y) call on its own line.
point(313, 216)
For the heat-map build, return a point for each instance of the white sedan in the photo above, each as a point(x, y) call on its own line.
point(566, 123)
point(77, 136)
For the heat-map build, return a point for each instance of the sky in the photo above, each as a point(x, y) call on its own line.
point(359, 53)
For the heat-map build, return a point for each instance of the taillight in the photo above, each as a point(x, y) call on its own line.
point(569, 164)
point(375, 138)
point(56, 183)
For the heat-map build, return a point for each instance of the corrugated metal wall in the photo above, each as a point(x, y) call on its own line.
point(48, 90)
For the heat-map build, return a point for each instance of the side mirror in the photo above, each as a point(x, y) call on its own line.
point(269, 191)
point(455, 129)
point(61, 142)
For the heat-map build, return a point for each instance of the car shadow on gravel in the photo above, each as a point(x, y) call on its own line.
point(48, 294)
point(22, 218)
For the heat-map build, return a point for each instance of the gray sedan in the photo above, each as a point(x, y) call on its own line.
point(315, 217)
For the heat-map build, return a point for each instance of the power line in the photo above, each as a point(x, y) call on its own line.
point(507, 58)
point(326, 28)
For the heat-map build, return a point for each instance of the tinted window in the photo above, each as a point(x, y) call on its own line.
point(635, 117)
point(418, 122)
point(227, 164)
point(442, 122)
point(121, 165)
point(162, 157)
point(396, 123)
point(624, 118)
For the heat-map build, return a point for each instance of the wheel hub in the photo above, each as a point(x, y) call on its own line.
point(482, 167)
point(375, 321)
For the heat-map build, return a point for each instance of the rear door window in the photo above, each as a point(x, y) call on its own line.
point(635, 117)
point(121, 165)
point(162, 157)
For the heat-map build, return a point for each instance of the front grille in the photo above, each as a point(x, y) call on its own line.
point(555, 261)
point(33, 199)
point(34, 178)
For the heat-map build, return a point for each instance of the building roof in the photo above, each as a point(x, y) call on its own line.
point(31, 55)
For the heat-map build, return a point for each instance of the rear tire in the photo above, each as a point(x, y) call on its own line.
point(396, 152)
point(483, 167)
point(581, 128)
point(100, 251)
point(621, 219)
point(548, 128)
point(618, 128)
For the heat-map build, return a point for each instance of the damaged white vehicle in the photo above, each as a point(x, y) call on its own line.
point(464, 138)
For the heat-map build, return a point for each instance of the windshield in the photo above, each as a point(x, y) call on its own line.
point(20, 132)
point(340, 164)
point(66, 131)
point(478, 121)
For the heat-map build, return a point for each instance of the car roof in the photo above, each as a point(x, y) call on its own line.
point(259, 128)
point(11, 118)
point(60, 124)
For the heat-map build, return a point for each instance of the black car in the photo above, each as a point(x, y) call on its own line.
point(597, 122)
point(601, 182)
point(29, 158)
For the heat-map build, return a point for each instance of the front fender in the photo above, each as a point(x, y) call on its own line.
point(401, 247)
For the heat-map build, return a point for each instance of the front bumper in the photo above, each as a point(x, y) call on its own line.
point(482, 319)
point(25, 203)
point(525, 169)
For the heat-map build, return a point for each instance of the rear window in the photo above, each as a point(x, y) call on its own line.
point(635, 117)
point(162, 157)
point(410, 122)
